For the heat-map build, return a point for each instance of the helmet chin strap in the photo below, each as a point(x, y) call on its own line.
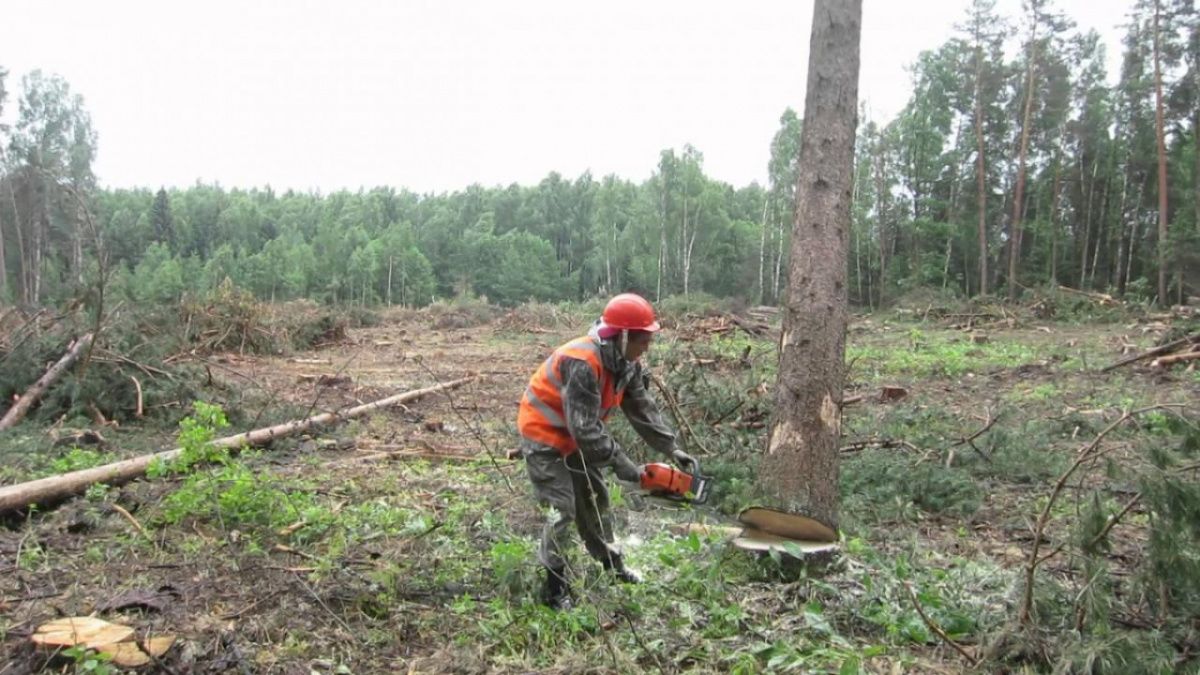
point(623, 342)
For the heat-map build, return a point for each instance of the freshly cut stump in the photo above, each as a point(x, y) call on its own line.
point(797, 538)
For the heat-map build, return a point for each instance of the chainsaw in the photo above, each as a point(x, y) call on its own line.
point(664, 480)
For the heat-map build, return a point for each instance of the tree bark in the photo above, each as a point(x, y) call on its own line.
point(21, 250)
point(881, 216)
point(1160, 139)
point(57, 488)
point(19, 409)
point(1014, 242)
point(800, 467)
point(762, 254)
point(980, 166)
point(3, 266)
point(1054, 195)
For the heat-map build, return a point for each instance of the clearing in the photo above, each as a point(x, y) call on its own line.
point(404, 542)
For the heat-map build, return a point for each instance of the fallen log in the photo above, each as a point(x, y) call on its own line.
point(752, 329)
point(1157, 351)
point(22, 405)
point(57, 488)
point(1102, 298)
point(1171, 359)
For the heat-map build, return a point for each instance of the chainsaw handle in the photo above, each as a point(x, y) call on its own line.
point(686, 462)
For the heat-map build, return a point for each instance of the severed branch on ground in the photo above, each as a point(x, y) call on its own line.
point(56, 488)
point(1101, 298)
point(1087, 453)
point(1161, 350)
point(970, 440)
point(937, 629)
point(1172, 359)
point(21, 407)
point(877, 443)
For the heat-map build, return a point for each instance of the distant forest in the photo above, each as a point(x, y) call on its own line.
point(998, 174)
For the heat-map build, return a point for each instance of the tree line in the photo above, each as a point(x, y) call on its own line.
point(999, 173)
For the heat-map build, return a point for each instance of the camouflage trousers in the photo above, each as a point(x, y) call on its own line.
point(573, 492)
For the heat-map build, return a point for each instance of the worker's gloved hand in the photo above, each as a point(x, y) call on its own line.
point(625, 469)
point(683, 460)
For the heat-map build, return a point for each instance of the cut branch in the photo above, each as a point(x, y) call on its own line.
point(937, 629)
point(1172, 359)
point(1157, 351)
point(21, 407)
point(57, 488)
point(1086, 453)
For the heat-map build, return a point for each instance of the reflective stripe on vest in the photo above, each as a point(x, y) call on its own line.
point(541, 417)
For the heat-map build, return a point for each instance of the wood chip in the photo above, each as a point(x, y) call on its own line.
point(87, 631)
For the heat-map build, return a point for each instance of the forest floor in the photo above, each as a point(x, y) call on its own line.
point(404, 542)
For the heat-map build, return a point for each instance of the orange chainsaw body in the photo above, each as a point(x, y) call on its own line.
point(664, 480)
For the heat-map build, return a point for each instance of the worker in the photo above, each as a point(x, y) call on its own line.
point(566, 443)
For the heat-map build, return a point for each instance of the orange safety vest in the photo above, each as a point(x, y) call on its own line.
point(541, 418)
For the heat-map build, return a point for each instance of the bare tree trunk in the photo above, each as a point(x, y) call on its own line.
point(800, 467)
point(691, 245)
point(881, 214)
point(1135, 226)
point(1160, 137)
point(777, 279)
point(41, 231)
point(1054, 195)
point(21, 252)
point(608, 280)
point(1101, 234)
point(683, 238)
point(662, 242)
point(1118, 279)
point(980, 166)
point(3, 266)
point(1115, 271)
point(1014, 243)
point(762, 253)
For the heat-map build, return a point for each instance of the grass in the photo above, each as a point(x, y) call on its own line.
point(429, 565)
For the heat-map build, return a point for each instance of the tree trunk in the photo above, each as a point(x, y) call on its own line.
point(19, 409)
point(21, 250)
point(3, 267)
point(1160, 137)
point(881, 215)
point(662, 242)
point(1102, 232)
point(777, 279)
point(1054, 194)
point(1135, 227)
point(1014, 242)
point(800, 467)
point(1116, 273)
point(608, 280)
point(980, 168)
point(57, 488)
point(762, 254)
point(683, 237)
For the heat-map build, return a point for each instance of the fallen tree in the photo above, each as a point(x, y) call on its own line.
point(1184, 342)
point(21, 407)
point(57, 488)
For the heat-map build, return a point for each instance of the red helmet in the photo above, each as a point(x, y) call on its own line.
point(629, 311)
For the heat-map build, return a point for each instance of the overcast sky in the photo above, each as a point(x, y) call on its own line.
point(434, 95)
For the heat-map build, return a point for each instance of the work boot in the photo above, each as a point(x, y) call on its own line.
point(615, 563)
point(556, 592)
